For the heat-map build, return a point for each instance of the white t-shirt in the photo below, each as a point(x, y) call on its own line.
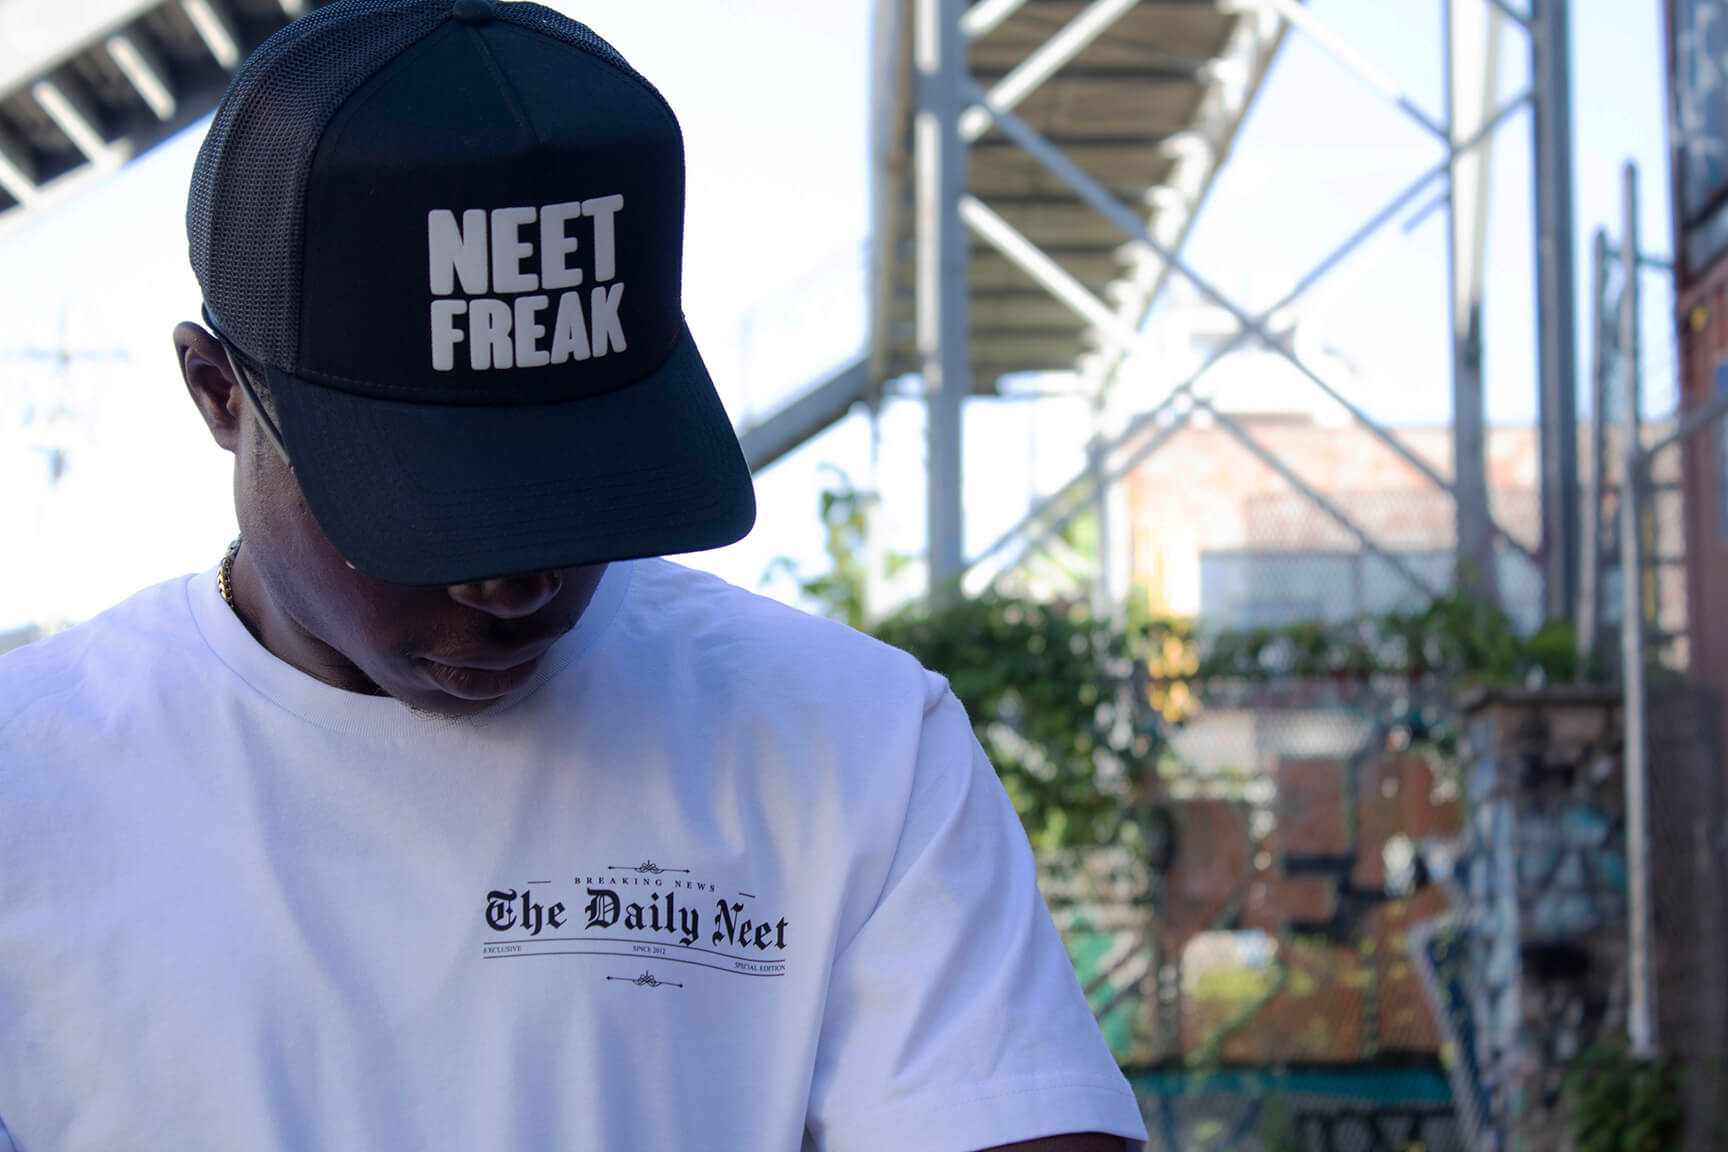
point(723, 876)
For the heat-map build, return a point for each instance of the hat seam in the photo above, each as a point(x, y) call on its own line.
point(518, 106)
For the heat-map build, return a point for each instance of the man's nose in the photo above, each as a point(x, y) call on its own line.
point(509, 597)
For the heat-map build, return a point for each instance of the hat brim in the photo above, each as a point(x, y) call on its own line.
point(445, 494)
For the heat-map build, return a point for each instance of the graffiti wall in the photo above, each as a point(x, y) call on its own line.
point(1531, 969)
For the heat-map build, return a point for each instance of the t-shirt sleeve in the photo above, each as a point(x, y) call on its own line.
point(954, 1020)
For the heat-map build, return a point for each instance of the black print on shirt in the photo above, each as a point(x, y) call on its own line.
point(504, 913)
point(656, 913)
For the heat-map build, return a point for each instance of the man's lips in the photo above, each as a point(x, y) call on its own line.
point(485, 675)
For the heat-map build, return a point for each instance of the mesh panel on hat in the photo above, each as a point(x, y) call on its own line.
point(243, 215)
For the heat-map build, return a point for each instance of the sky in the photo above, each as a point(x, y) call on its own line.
point(773, 96)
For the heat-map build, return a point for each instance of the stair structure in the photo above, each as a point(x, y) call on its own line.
point(86, 85)
point(1144, 96)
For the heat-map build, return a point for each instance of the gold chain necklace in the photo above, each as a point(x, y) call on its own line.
point(225, 574)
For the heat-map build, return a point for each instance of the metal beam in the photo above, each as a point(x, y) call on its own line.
point(1557, 401)
point(1518, 17)
point(812, 412)
point(1641, 1007)
point(1270, 459)
point(1146, 420)
point(943, 264)
point(17, 169)
point(215, 29)
point(1048, 274)
point(1074, 493)
point(1074, 38)
point(891, 87)
point(1593, 546)
point(1471, 83)
point(73, 115)
point(1340, 50)
point(1232, 81)
point(1089, 190)
point(145, 71)
point(1695, 420)
point(983, 17)
point(1039, 526)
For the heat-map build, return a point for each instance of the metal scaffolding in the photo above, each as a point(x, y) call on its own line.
point(978, 118)
point(1039, 165)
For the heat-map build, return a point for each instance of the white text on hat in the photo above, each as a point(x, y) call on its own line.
point(487, 254)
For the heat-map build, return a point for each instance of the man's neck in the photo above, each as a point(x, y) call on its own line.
point(284, 637)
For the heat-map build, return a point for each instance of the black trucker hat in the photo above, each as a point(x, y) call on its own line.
point(450, 236)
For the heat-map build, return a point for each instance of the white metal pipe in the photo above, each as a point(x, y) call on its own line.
point(943, 255)
point(17, 170)
point(145, 72)
point(1471, 82)
point(73, 117)
point(1556, 320)
point(1190, 403)
point(1048, 274)
point(1592, 547)
point(1481, 160)
point(1231, 78)
point(1522, 19)
point(1693, 421)
point(983, 17)
point(1099, 197)
point(1074, 38)
point(1291, 477)
point(1366, 70)
point(1178, 399)
point(214, 28)
point(1641, 1007)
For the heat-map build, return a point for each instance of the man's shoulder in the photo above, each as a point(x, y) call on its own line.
point(755, 636)
point(129, 637)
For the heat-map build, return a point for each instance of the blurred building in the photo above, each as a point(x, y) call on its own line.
point(1215, 534)
point(1221, 537)
point(1699, 123)
point(1688, 780)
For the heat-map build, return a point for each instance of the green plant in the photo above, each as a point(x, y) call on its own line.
point(1455, 639)
point(1052, 702)
point(1075, 712)
point(1618, 1103)
point(1277, 1130)
point(838, 592)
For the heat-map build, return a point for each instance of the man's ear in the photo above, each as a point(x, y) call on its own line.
point(210, 380)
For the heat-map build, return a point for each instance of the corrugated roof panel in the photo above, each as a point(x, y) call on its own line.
point(66, 43)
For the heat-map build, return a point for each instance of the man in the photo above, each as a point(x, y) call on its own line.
point(432, 818)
